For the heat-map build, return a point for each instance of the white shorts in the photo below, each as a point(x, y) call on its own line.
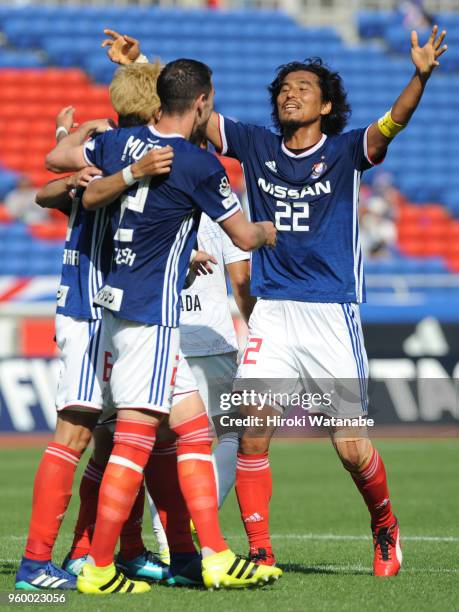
point(84, 368)
point(145, 359)
point(214, 375)
point(307, 348)
point(185, 382)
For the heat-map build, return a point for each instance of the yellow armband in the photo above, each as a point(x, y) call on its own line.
point(388, 127)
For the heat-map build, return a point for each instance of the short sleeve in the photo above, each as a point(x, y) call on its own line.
point(93, 151)
point(231, 253)
point(359, 149)
point(214, 196)
point(235, 137)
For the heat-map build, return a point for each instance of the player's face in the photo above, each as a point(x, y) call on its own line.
point(300, 99)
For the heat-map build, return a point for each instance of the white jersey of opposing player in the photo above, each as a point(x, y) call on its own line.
point(206, 325)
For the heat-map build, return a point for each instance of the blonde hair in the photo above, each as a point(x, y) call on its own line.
point(133, 91)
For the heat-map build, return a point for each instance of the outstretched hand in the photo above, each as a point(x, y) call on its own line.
point(65, 118)
point(426, 58)
point(122, 49)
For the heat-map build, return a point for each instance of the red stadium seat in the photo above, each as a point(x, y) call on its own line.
point(4, 215)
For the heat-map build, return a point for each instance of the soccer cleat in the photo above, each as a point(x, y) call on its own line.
point(165, 555)
point(35, 575)
point(227, 571)
point(262, 556)
point(73, 566)
point(146, 566)
point(185, 570)
point(105, 580)
point(388, 554)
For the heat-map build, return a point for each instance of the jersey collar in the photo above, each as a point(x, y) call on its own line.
point(315, 148)
point(160, 135)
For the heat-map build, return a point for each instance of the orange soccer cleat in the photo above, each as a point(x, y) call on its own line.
point(388, 554)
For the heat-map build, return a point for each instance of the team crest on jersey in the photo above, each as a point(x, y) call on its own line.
point(224, 187)
point(318, 169)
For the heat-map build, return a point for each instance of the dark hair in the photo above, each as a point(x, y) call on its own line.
point(180, 83)
point(125, 121)
point(331, 86)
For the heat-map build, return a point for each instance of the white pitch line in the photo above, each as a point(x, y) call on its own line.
point(308, 536)
point(363, 569)
point(348, 538)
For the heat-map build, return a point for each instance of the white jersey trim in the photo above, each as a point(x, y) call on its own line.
point(229, 214)
point(161, 135)
point(169, 286)
point(221, 129)
point(315, 148)
point(358, 266)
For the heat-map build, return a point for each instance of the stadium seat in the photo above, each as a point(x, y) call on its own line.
point(234, 44)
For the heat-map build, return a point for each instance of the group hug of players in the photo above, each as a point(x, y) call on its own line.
point(145, 331)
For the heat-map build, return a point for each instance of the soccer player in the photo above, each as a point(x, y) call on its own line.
point(306, 323)
point(82, 384)
point(153, 242)
point(208, 342)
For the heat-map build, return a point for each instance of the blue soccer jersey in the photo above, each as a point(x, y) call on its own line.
point(158, 222)
point(312, 199)
point(86, 261)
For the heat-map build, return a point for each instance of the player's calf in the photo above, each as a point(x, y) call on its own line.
point(367, 470)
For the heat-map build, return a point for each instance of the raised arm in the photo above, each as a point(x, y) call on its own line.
point(381, 133)
point(67, 155)
point(104, 191)
point(58, 193)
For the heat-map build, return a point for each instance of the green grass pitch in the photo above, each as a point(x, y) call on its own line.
point(320, 531)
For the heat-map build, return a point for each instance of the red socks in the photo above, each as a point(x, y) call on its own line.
point(372, 484)
point(253, 490)
point(51, 495)
point(89, 493)
point(131, 543)
point(197, 480)
point(161, 478)
point(133, 442)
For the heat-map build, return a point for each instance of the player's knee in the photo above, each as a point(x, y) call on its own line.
point(74, 430)
point(253, 446)
point(354, 454)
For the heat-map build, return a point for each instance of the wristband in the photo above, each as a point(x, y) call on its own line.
point(142, 59)
point(128, 177)
point(388, 127)
point(193, 255)
point(61, 129)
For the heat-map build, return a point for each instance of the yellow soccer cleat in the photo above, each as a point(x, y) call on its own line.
point(225, 570)
point(106, 580)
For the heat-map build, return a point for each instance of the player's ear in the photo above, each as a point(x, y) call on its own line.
point(326, 108)
point(200, 103)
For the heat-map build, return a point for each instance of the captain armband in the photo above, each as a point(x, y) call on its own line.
point(388, 127)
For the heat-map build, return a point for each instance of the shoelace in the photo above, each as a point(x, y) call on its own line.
point(383, 539)
point(150, 556)
point(258, 556)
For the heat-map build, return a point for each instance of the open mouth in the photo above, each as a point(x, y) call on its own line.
point(290, 108)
